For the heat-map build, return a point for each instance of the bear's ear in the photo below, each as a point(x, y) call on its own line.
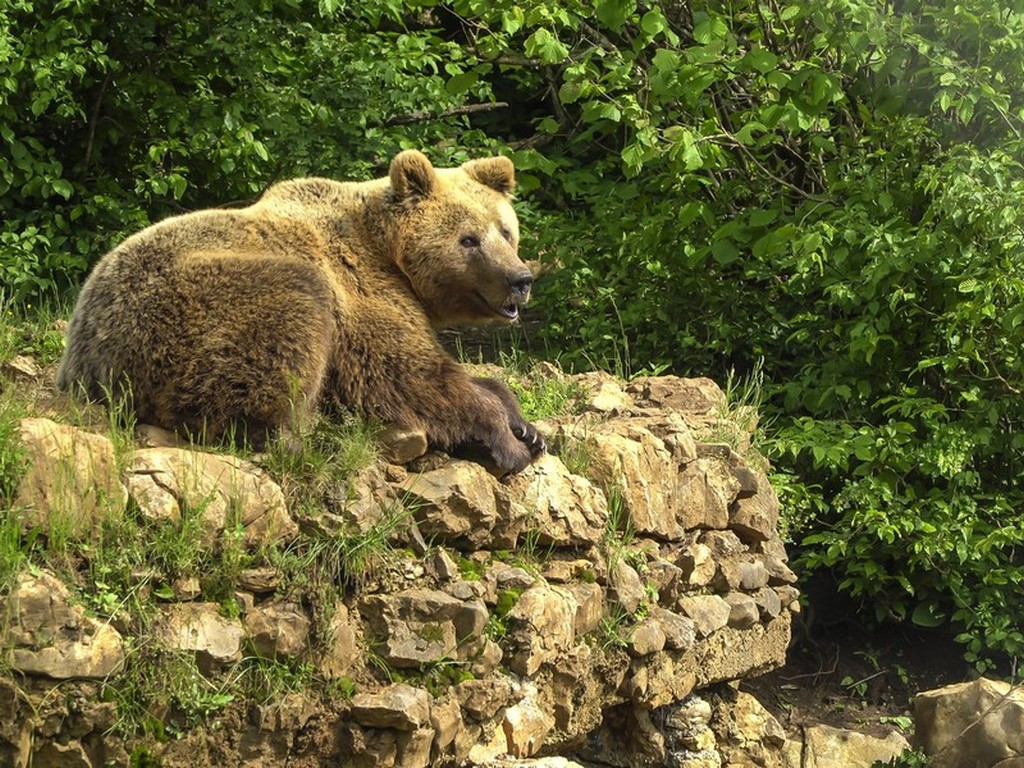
point(412, 174)
point(494, 172)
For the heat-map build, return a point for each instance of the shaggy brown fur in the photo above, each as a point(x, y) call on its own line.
point(322, 293)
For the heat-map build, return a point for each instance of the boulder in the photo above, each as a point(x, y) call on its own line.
point(421, 626)
point(756, 518)
point(400, 446)
point(625, 585)
point(461, 504)
point(633, 461)
point(566, 510)
point(278, 629)
point(400, 706)
point(341, 650)
point(71, 480)
point(709, 612)
point(481, 699)
point(975, 723)
point(826, 747)
point(199, 627)
point(541, 625)
point(225, 491)
point(526, 725)
point(690, 397)
point(647, 637)
point(605, 394)
point(743, 610)
point(747, 733)
point(680, 631)
point(50, 636)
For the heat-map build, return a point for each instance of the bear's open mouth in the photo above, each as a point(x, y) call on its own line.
point(509, 310)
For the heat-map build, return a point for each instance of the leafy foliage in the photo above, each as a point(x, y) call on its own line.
point(832, 187)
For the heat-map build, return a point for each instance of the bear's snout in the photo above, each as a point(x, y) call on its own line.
point(520, 285)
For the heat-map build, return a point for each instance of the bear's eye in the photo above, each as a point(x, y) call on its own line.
point(470, 241)
point(506, 233)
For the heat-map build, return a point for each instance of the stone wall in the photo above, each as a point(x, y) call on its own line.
point(571, 605)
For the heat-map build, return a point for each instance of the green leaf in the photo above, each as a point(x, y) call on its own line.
point(545, 46)
point(62, 187)
point(614, 13)
point(710, 29)
point(724, 252)
point(462, 82)
point(653, 23)
point(601, 110)
point(512, 20)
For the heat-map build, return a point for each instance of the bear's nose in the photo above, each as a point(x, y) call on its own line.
point(521, 283)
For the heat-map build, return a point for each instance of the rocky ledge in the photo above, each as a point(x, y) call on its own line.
point(548, 615)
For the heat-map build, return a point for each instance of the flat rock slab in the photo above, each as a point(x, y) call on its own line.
point(52, 637)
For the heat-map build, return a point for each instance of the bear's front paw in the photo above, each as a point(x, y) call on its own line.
point(512, 458)
point(534, 440)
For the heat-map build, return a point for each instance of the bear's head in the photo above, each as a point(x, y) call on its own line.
point(457, 238)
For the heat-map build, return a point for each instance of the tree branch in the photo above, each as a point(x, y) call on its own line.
point(467, 109)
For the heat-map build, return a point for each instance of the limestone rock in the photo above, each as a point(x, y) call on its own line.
point(444, 566)
point(505, 576)
point(680, 631)
point(709, 612)
point(463, 505)
point(828, 747)
point(21, 367)
point(71, 478)
point(698, 504)
point(278, 630)
point(753, 575)
point(481, 699)
point(779, 573)
point(420, 626)
point(590, 606)
point(743, 611)
point(526, 725)
point(647, 637)
point(414, 748)
point(975, 723)
point(756, 518)
point(697, 565)
point(746, 732)
point(636, 462)
point(446, 720)
point(398, 706)
point(768, 603)
point(699, 396)
point(541, 624)
point(400, 446)
point(672, 430)
point(567, 510)
point(260, 580)
point(341, 650)
point(626, 586)
point(50, 636)
point(605, 393)
point(227, 492)
point(199, 627)
point(536, 762)
point(52, 754)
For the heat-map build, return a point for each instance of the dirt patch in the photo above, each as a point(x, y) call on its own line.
point(846, 674)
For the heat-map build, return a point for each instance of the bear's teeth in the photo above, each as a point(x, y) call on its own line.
point(511, 311)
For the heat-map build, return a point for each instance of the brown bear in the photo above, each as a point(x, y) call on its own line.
point(322, 293)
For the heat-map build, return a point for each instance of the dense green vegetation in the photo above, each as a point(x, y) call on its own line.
point(830, 190)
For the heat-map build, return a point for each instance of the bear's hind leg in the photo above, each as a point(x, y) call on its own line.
point(254, 353)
